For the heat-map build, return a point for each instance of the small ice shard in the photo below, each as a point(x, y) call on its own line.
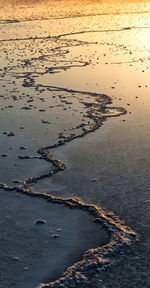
point(11, 134)
point(55, 236)
point(45, 121)
point(95, 180)
point(23, 147)
point(40, 221)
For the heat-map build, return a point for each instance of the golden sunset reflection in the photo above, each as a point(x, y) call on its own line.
point(34, 9)
point(74, 130)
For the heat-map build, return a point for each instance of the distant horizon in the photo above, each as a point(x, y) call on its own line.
point(24, 10)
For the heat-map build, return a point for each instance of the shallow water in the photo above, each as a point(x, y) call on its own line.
point(61, 79)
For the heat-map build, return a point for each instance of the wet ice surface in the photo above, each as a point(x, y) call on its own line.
point(57, 243)
point(36, 111)
point(49, 76)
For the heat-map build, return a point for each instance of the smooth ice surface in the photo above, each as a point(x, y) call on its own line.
point(30, 253)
